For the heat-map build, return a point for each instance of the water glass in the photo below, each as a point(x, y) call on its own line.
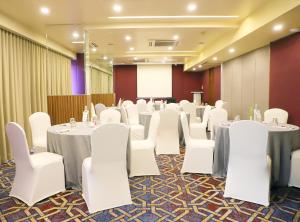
point(72, 122)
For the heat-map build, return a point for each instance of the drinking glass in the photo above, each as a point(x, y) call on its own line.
point(72, 122)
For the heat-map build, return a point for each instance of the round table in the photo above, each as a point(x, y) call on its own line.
point(74, 144)
point(283, 139)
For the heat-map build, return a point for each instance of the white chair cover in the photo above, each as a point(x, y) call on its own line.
point(38, 176)
point(110, 116)
point(295, 166)
point(39, 123)
point(182, 102)
point(191, 109)
point(216, 116)
point(198, 156)
point(127, 102)
point(124, 115)
point(133, 115)
point(137, 131)
point(219, 104)
point(280, 114)
point(150, 106)
point(249, 168)
point(168, 137)
point(172, 106)
point(99, 108)
point(141, 105)
point(198, 130)
point(141, 156)
point(104, 175)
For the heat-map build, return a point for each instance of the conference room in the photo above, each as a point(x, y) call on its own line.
point(168, 110)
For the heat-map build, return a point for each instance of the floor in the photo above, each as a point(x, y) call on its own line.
point(169, 197)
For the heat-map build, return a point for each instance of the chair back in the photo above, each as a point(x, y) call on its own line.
point(219, 104)
point(172, 106)
point(150, 106)
point(127, 102)
point(133, 115)
point(124, 115)
point(191, 109)
point(18, 142)
point(182, 102)
point(39, 123)
point(280, 114)
point(185, 128)
point(206, 114)
point(216, 116)
point(141, 105)
point(141, 101)
point(153, 128)
point(109, 146)
point(110, 116)
point(93, 112)
point(99, 108)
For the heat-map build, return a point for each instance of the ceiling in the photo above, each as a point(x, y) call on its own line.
point(197, 37)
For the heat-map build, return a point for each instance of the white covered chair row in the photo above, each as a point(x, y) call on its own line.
point(280, 114)
point(198, 130)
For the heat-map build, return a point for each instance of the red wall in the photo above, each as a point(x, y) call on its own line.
point(216, 84)
point(125, 82)
point(285, 76)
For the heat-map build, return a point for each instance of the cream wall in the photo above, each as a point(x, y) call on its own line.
point(245, 82)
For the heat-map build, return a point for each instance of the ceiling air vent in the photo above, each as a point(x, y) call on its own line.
point(162, 43)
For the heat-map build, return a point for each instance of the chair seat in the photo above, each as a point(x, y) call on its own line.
point(45, 158)
point(142, 144)
point(137, 132)
point(197, 125)
point(201, 143)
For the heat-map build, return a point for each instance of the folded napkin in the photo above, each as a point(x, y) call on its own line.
point(63, 131)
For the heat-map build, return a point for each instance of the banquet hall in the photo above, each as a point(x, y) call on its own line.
point(162, 110)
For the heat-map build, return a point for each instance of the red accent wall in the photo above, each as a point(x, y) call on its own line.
point(215, 84)
point(125, 82)
point(285, 76)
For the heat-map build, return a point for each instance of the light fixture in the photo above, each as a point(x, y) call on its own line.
point(135, 58)
point(175, 17)
point(111, 62)
point(215, 58)
point(170, 48)
point(75, 35)
point(200, 66)
point(277, 27)
point(165, 58)
point(231, 50)
point(131, 48)
point(117, 8)
point(45, 10)
point(94, 49)
point(294, 30)
point(127, 37)
point(175, 37)
point(105, 57)
point(78, 42)
point(194, 69)
point(191, 7)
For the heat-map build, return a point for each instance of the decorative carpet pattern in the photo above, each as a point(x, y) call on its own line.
point(169, 197)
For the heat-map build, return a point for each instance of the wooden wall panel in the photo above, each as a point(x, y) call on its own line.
point(106, 99)
point(62, 108)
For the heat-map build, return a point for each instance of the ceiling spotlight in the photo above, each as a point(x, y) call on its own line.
point(111, 62)
point(45, 10)
point(175, 37)
point(200, 66)
point(75, 35)
point(131, 48)
point(127, 37)
point(194, 69)
point(105, 57)
point(117, 8)
point(94, 49)
point(191, 7)
point(135, 58)
point(231, 50)
point(277, 27)
point(170, 48)
point(294, 30)
point(215, 58)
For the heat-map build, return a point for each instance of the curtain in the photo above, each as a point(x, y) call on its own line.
point(28, 73)
point(100, 81)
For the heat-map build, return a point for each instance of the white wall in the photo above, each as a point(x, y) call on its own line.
point(245, 82)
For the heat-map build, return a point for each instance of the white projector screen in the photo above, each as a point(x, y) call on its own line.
point(154, 81)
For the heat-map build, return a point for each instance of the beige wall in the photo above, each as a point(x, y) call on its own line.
point(245, 82)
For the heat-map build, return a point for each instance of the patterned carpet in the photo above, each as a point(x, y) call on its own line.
point(169, 197)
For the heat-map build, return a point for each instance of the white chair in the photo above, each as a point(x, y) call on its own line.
point(182, 102)
point(172, 106)
point(39, 175)
point(249, 167)
point(280, 114)
point(150, 106)
point(99, 108)
point(295, 166)
point(219, 104)
point(110, 116)
point(216, 116)
point(168, 136)
point(137, 131)
point(198, 130)
point(104, 175)
point(124, 116)
point(141, 155)
point(191, 109)
point(141, 105)
point(93, 112)
point(127, 102)
point(39, 123)
point(198, 157)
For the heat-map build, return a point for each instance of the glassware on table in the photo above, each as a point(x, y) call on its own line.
point(94, 120)
point(72, 122)
point(275, 121)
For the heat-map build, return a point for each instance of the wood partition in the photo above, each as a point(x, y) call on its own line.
point(106, 99)
point(62, 108)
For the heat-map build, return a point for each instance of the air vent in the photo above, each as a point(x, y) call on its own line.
point(162, 43)
point(93, 45)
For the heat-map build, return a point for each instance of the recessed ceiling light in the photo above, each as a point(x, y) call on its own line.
point(135, 58)
point(294, 30)
point(170, 48)
point(277, 27)
point(45, 10)
point(231, 50)
point(131, 48)
point(117, 8)
point(191, 7)
point(215, 58)
point(94, 49)
point(105, 57)
point(175, 37)
point(75, 35)
point(194, 69)
point(200, 66)
point(127, 37)
point(111, 62)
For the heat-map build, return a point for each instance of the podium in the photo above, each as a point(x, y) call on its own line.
point(197, 97)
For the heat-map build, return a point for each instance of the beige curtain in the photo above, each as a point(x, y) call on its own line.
point(28, 73)
point(100, 81)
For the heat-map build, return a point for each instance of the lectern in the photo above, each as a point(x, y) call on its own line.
point(197, 97)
